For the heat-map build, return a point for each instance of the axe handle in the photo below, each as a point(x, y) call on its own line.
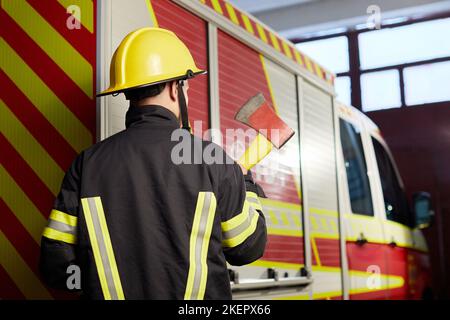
point(259, 148)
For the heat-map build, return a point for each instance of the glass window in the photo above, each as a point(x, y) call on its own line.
point(331, 53)
point(380, 90)
point(356, 168)
point(395, 202)
point(427, 83)
point(415, 42)
point(343, 89)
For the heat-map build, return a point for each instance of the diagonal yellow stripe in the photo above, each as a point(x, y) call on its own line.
point(30, 217)
point(30, 150)
point(86, 11)
point(318, 70)
point(261, 32)
point(232, 13)
point(284, 219)
point(247, 23)
point(269, 83)
point(315, 251)
point(296, 219)
point(287, 49)
point(273, 217)
point(67, 124)
point(298, 58)
point(217, 6)
point(308, 63)
point(152, 13)
point(49, 39)
point(275, 43)
point(20, 272)
point(109, 249)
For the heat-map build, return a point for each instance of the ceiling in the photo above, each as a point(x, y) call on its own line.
point(255, 6)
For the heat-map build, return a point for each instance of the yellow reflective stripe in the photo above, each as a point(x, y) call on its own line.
point(60, 236)
point(63, 218)
point(287, 49)
point(247, 23)
point(232, 13)
point(273, 217)
point(205, 246)
point(192, 241)
point(109, 249)
point(275, 43)
point(23, 208)
point(298, 57)
point(152, 13)
point(269, 84)
point(95, 249)
point(284, 232)
point(238, 219)
point(256, 205)
point(52, 42)
point(308, 63)
point(29, 149)
point(25, 279)
point(284, 218)
point(315, 251)
point(44, 99)
point(86, 12)
point(233, 242)
point(318, 70)
point(199, 244)
point(261, 32)
point(216, 6)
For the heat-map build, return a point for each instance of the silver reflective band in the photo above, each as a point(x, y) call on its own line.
point(199, 244)
point(102, 249)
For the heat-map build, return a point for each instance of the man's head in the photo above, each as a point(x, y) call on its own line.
point(146, 58)
point(163, 94)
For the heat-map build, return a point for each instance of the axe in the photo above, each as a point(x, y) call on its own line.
point(272, 130)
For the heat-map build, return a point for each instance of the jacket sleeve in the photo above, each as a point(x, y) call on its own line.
point(59, 238)
point(244, 233)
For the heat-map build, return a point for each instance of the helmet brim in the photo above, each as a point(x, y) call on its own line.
point(183, 77)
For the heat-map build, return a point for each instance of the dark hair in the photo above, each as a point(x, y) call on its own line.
point(144, 92)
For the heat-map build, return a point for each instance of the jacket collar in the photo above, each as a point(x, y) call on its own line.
point(151, 114)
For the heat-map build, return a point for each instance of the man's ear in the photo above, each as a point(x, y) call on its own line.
point(173, 90)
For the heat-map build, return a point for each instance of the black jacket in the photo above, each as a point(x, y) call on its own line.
point(142, 226)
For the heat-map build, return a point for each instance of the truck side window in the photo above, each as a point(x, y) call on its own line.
point(395, 202)
point(356, 168)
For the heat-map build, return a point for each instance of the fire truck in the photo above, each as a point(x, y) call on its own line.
point(339, 224)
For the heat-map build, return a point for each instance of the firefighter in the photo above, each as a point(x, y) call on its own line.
point(135, 224)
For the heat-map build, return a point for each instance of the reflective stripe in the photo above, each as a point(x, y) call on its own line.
point(102, 249)
point(59, 236)
point(198, 246)
point(236, 240)
point(61, 227)
point(240, 227)
point(253, 198)
point(63, 217)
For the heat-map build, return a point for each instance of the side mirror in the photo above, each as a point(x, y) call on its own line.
point(423, 214)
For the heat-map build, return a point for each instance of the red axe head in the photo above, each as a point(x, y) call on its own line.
point(257, 114)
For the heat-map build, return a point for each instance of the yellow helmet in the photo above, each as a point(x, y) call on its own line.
point(149, 56)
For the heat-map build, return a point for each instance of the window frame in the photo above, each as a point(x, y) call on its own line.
point(355, 70)
point(357, 126)
point(388, 152)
